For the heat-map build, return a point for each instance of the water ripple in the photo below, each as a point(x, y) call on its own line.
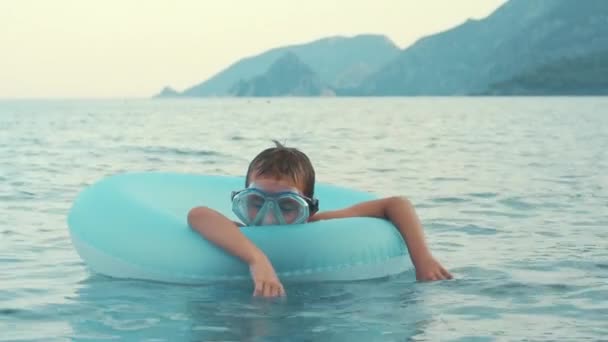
point(449, 200)
point(162, 150)
point(516, 211)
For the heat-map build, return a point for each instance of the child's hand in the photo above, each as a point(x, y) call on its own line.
point(265, 280)
point(429, 269)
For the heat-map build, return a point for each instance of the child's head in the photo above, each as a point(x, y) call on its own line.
point(279, 186)
point(284, 164)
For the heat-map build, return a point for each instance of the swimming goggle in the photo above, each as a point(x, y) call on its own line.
point(257, 208)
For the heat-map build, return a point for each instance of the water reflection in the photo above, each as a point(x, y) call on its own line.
point(384, 309)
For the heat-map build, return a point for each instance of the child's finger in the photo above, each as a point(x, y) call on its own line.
point(258, 290)
point(446, 274)
point(276, 291)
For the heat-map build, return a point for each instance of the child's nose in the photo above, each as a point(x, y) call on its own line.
point(269, 219)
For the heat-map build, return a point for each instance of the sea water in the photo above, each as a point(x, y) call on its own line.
point(512, 192)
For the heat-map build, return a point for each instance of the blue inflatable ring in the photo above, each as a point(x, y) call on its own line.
point(134, 225)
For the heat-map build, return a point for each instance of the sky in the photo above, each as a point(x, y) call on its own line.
point(133, 48)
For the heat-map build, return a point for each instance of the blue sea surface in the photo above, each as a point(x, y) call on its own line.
point(512, 192)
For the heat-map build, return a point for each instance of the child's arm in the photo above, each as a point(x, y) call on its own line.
point(219, 230)
point(403, 215)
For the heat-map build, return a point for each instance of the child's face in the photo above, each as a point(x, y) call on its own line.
point(270, 184)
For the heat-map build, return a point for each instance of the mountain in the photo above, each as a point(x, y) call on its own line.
point(570, 76)
point(288, 76)
point(513, 50)
point(338, 61)
point(168, 92)
point(519, 36)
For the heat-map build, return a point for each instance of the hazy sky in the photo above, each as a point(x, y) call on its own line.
point(132, 48)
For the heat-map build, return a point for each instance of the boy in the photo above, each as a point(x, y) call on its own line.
point(280, 190)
